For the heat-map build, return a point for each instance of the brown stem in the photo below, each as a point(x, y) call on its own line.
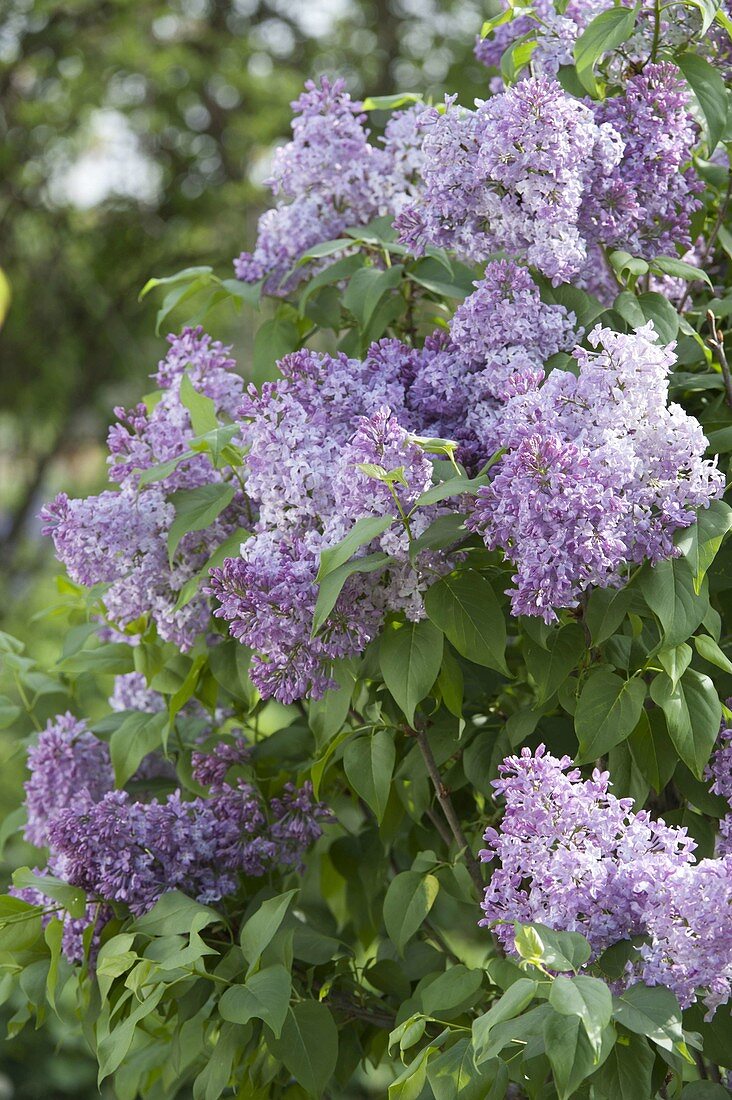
point(716, 343)
point(441, 827)
point(443, 797)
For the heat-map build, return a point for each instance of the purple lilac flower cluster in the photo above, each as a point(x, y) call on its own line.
point(600, 472)
point(329, 444)
point(329, 178)
point(719, 771)
point(309, 435)
point(512, 174)
point(121, 850)
point(574, 857)
point(119, 538)
point(645, 204)
point(556, 33)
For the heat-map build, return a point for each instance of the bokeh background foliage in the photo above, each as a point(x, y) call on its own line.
point(134, 139)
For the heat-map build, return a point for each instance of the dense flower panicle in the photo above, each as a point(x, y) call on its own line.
point(380, 443)
point(131, 692)
point(329, 178)
point(689, 922)
point(576, 858)
point(66, 760)
point(572, 855)
point(646, 202)
point(600, 472)
point(505, 316)
point(511, 175)
point(118, 849)
point(120, 537)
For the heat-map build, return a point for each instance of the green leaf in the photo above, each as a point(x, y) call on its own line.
point(308, 1045)
point(453, 1075)
point(675, 661)
point(606, 610)
point(652, 751)
point(605, 32)
point(362, 532)
point(699, 543)
point(449, 992)
point(262, 926)
point(140, 733)
point(390, 102)
point(20, 924)
point(369, 764)
point(513, 1002)
point(366, 289)
point(704, 1090)
point(554, 950)
point(331, 585)
point(658, 309)
point(264, 996)
point(465, 608)
point(551, 666)
point(174, 914)
point(408, 901)
point(9, 712)
point(72, 898)
point(587, 998)
point(274, 339)
point(709, 88)
point(669, 590)
point(707, 648)
point(679, 269)
point(201, 409)
point(607, 712)
point(651, 1011)
point(410, 656)
point(453, 487)
point(569, 1052)
point(693, 716)
point(327, 714)
point(196, 509)
point(214, 1077)
point(114, 657)
point(626, 1075)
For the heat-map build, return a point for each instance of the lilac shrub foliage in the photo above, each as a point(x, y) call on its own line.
point(471, 508)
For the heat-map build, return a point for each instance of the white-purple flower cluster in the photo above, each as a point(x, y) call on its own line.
point(600, 472)
point(310, 436)
point(120, 537)
point(329, 178)
point(513, 175)
point(574, 857)
point(646, 203)
point(555, 34)
point(328, 445)
point(121, 850)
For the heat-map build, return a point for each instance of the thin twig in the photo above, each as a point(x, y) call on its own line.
point(716, 343)
point(443, 797)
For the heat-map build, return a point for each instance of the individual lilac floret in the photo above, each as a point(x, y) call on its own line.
point(328, 178)
point(646, 203)
point(66, 760)
point(511, 175)
point(599, 473)
point(120, 537)
point(576, 858)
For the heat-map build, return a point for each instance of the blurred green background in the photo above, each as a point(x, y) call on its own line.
point(134, 138)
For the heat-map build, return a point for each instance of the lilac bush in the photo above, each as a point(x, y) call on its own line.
point(454, 564)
